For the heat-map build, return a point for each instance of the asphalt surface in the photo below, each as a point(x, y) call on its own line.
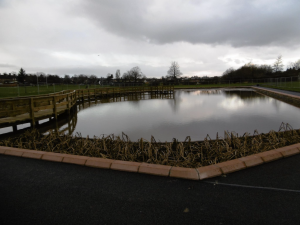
point(41, 192)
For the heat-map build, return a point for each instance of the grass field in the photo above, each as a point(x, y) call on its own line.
point(289, 87)
point(34, 90)
point(214, 85)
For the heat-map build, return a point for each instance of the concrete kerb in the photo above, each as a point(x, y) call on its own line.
point(159, 170)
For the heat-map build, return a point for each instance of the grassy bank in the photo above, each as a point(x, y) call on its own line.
point(34, 90)
point(214, 85)
point(184, 154)
point(286, 88)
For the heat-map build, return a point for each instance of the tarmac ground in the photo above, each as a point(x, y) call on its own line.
point(43, 192)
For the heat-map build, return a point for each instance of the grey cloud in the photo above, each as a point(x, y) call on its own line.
point(237, 61)
point(8, 65)
point(236, 23)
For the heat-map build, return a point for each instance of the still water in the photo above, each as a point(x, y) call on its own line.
point(193, 113)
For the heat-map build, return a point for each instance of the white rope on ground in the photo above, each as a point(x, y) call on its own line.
point(253, 187)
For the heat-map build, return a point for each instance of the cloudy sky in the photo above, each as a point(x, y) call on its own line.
point(99, 37)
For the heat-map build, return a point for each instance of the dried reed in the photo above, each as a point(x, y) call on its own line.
point(175, 153)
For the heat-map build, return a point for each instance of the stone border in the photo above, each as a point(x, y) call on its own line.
point(159, 170)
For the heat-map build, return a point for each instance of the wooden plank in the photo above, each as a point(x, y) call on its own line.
point(23, 108)
point(43, 99)
point(36, 109)
point(61, 104)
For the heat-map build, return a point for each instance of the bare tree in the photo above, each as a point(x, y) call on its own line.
point(174, 71)
point(278, 65)
point(126, 76)
point(118, 74)
point(295, 65)
point(136, 73)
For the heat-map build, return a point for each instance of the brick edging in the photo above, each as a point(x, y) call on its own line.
point(159, 170)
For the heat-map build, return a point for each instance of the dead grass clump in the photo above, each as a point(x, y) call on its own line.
point(175, 153)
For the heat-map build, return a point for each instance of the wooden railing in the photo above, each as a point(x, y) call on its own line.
point(33, 108)
point(87, 94)
point(33, 105)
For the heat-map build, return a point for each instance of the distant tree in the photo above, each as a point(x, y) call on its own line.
point(278, 65)
point(118, 74)
point(228, 71)
point(174, 71)
point(21, 75)
point(41, 76)
point(136, 73)
point(109, 77)
point(93, 79)
point(82, 79)
point(295, 65)
point(126, 76)
point(67, 79)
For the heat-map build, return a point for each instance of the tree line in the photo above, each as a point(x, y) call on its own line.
point(253, 71)
point(135, 75)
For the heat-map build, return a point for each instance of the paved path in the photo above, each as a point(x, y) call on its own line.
point(282, 91)
point(42, 192)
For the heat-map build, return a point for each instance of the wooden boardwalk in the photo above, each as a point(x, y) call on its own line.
point(15, 111)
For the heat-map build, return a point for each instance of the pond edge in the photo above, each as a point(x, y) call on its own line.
point(171, 171)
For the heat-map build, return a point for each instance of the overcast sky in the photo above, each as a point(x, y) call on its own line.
point(99, 37)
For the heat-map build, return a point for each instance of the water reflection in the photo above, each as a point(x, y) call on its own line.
point(194, 113)
point(65, 123)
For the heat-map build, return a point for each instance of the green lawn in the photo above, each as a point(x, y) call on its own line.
point(289, 86)
point(34, 90)
point(214, 85)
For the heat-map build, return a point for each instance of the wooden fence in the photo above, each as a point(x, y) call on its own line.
point(14, 111)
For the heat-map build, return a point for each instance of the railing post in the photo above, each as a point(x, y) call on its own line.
point(95, 95)
point(82, 96)
point(54, 107)
point(32, 112)
point(68, 105)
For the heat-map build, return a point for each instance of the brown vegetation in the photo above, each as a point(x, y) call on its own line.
point(183, 154)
